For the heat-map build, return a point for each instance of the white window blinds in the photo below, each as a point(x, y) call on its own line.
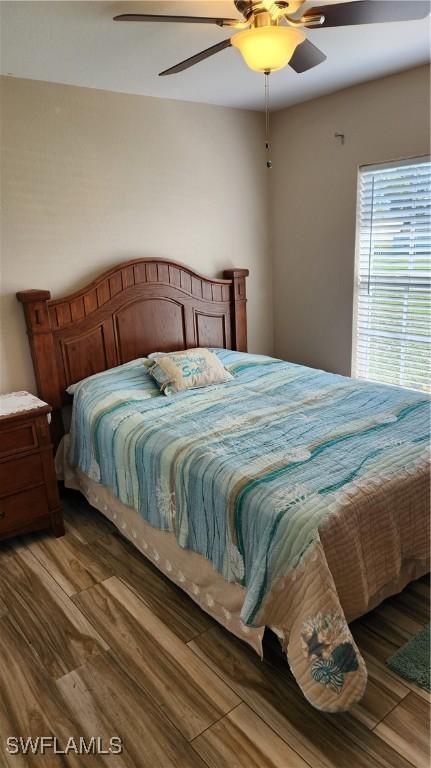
point(392, 313)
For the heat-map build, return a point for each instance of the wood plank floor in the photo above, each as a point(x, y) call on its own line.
point(95, 642)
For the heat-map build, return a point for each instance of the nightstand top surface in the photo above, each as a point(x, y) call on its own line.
point(20, 402)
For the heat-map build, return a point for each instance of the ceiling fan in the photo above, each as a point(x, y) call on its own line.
point(272, 31)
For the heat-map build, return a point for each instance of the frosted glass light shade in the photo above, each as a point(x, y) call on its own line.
point(266, 49)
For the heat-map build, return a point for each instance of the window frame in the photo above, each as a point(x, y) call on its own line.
point(367, 167)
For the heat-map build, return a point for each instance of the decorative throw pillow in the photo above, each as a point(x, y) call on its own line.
point(190, 369)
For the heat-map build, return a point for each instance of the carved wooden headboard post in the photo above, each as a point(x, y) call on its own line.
point(135, 308)
point(240, 306)
point(41, 340)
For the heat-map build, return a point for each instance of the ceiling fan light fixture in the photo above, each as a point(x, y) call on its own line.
point(268, 48)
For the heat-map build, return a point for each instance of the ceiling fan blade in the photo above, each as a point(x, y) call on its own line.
point(368, 12)
point(197, 58)
point(306, 57)
point(181, 19)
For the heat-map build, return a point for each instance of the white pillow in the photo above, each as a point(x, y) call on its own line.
point(189, 369)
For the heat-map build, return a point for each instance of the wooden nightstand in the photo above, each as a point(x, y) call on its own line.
point(28, 485)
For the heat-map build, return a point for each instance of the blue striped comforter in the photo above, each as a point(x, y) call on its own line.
point(245, 472)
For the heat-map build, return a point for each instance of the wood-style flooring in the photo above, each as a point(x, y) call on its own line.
point(95, 642)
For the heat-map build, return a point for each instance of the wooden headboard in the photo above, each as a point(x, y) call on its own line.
point(138, 307)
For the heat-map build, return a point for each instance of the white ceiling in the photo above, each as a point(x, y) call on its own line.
point(77, 43)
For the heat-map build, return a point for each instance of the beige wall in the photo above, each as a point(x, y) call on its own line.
point(91, 178)
point(313, 205)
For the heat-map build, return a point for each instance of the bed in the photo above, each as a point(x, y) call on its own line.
point(286, 498)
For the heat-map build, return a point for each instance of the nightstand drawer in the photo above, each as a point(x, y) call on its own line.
point(22, 508)
point(21, 437)
point(21, 473)
point(28, 486)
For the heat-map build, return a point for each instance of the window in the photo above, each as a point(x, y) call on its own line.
point(392, 311)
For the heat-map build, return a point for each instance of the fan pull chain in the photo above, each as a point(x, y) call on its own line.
point(267, 145)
